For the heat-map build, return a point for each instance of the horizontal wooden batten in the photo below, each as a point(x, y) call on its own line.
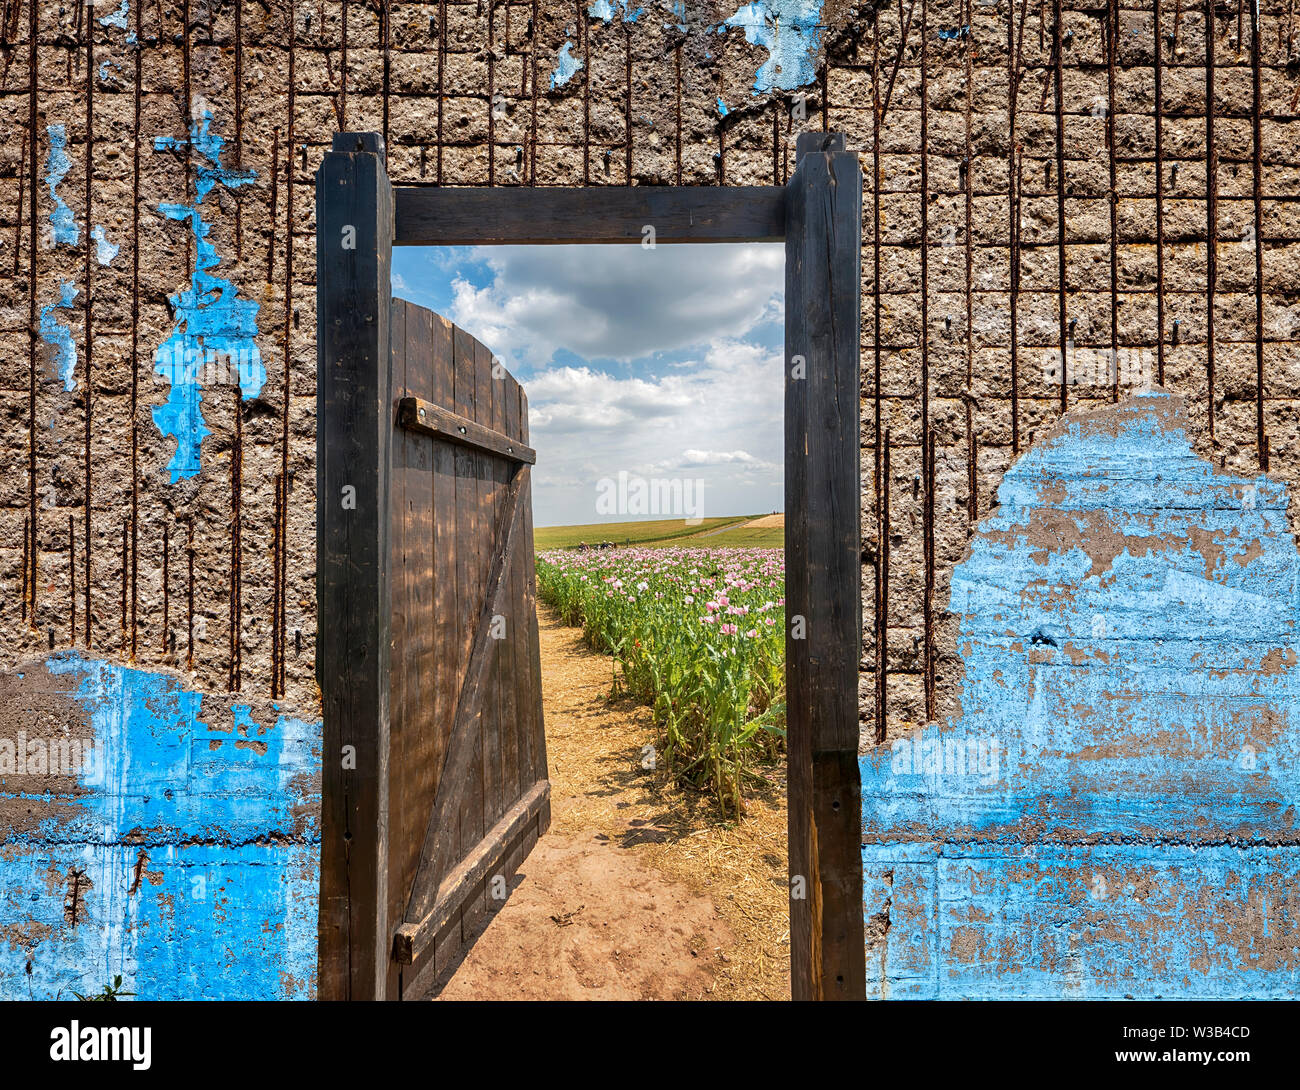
point(441, 216)
point(415, 414)
point(411, 938)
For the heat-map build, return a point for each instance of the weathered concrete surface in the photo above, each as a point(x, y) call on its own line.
point(181, 851)
point(186, 541)
point(1112, 811)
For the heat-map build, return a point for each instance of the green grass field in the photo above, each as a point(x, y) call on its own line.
point(655, 532)
point(747, 537)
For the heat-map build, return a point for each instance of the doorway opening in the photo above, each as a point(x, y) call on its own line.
point(655, 405)
point(380, 928)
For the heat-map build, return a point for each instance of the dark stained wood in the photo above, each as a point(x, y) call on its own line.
point(797, 599)
point(415, 740)
point(424, 581)
point(441, 840)
point(532, 729)
point(495, 482)
point(455, 556)
point(477, 867)
point(449, 216)
point(823, 575)
point(469, 387)
point(419, 414)
point(514, 657)
point(354, 433)
point(403, 681)
point(448, 942)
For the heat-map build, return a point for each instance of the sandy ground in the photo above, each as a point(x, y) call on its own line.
point(639, 890)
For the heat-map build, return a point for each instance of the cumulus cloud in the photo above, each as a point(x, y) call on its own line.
point(592, 425)
point(616, 302)
point(663, 363)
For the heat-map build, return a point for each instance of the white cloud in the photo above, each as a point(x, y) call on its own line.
point(617, 302)
point(588, 425)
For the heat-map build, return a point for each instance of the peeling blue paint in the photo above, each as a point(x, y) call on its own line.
point(605, 11)
point(215, 331)
point(116, 18)
point(722, 107)
point(566, 66)
point(58, 334)
point(791, 32)
point(57, 165)
point(954, 35)
point(198, 848)
point(105, 250)
point(1113, 811)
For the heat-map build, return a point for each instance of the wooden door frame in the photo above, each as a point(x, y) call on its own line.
point(360, 216)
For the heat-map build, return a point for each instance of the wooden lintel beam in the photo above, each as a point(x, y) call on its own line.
point(467, 216)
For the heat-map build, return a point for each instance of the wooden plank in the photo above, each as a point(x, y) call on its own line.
point(446, 590)
point(797, 599)
point(534, 726)
point(496, 482)
point(354, 219)
point(441, 842)
point(414, 748)
point(477, 866)
point(401, 678)
point(823, 497)
point(506, 415)
point(421, 415)
point(450, 216)
point(447, 605)
point(466, 781)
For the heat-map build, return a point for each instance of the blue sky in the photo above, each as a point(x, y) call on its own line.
point(663, 364)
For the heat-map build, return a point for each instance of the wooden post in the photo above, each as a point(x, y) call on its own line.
point(354, 418)
point(823, 568)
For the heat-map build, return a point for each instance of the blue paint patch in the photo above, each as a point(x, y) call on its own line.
point(105, 251)
point(214, 338)
point(566, 66)
point(116, 18)
point(58, 334)
point(722, 107)
point(197, 851)
point(57, 165)
point(954, 35)
point(605, 11)
point(791, 32)
point(1113, 810)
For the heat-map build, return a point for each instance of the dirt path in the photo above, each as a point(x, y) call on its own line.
point(638, 891)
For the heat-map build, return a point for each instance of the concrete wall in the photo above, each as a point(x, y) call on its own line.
point(1112, 811)
point(156, 517)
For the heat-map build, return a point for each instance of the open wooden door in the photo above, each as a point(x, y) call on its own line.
point(468, 789)
point(434, 763)
point(365, 922)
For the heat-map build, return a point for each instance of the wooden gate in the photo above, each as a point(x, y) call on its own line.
point(367, 928)
point(435, 762)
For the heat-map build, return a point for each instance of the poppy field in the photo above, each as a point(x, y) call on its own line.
point(698, 634)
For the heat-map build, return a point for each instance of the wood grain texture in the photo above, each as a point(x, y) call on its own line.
point(823, 269)
point(419, 414)
point(444, 216)
point(352, 581)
